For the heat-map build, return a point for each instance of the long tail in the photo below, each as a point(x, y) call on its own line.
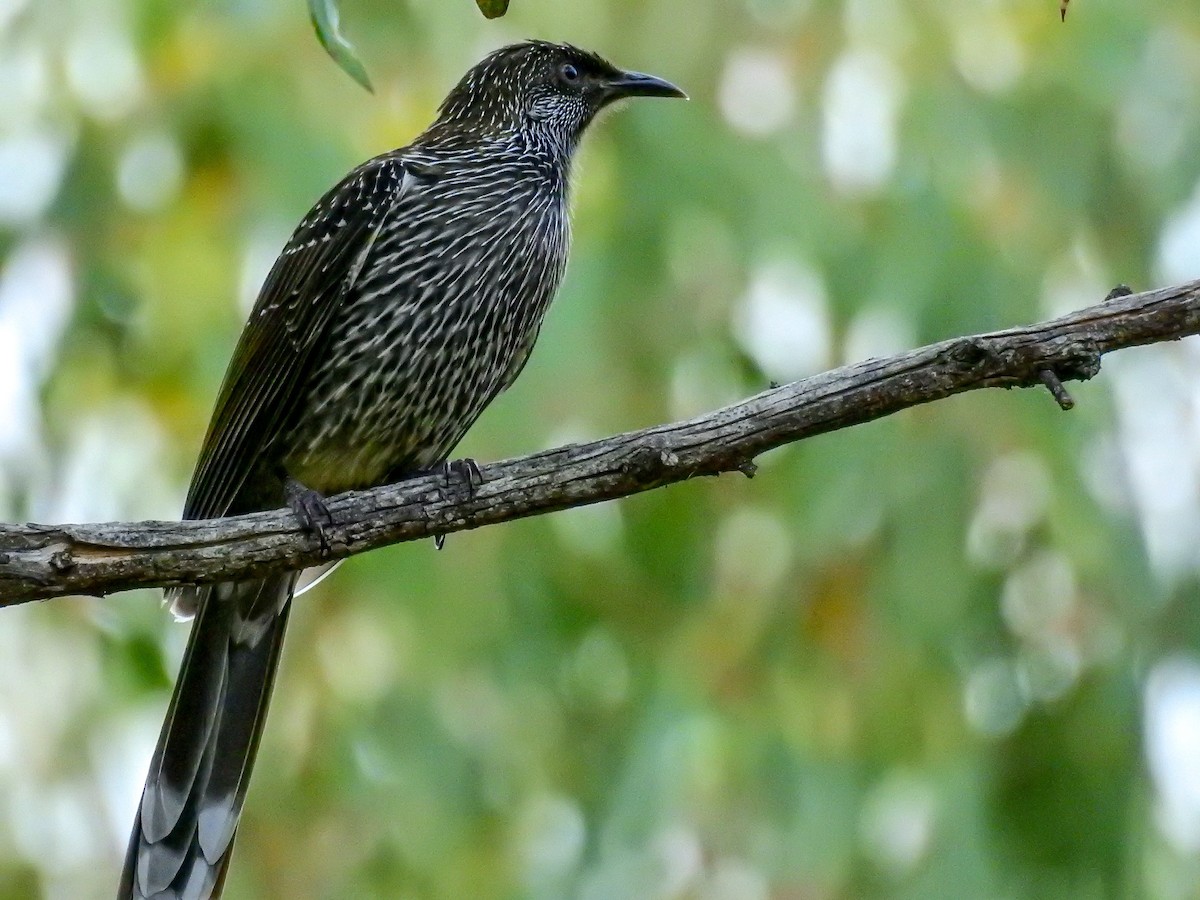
point(183, 833)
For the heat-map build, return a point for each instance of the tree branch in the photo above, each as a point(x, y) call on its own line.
point(40, 561)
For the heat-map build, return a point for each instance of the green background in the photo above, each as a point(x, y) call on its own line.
point(948, 654)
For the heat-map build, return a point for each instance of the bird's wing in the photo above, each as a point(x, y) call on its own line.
point(306, 285)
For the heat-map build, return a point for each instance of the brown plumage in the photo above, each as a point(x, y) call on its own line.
point(405, 301)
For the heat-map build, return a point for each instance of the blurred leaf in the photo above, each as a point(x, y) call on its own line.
point(325, 20)
point(493, 9)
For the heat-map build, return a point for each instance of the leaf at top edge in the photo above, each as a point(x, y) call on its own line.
point(324, 15)
point(493, 9)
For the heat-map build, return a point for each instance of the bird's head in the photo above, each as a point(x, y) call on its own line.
point(549, 89)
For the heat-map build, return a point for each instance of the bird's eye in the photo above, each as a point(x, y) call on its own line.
point(569, 74)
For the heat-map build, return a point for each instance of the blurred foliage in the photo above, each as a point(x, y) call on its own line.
point(948, 654)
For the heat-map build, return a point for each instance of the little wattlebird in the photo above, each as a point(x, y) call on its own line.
point(404, 303)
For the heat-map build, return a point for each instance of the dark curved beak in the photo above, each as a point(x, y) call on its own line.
point(638, 84)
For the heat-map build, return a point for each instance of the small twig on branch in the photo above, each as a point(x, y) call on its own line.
point(40, 561)
point(1064, 400)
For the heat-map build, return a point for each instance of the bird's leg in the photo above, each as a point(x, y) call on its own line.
point(309, 507)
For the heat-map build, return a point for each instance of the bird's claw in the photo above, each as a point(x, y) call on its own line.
point(465, 471)
point(309, 507)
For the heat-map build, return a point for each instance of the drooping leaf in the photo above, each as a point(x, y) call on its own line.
point(325, 22)
point(493, 9)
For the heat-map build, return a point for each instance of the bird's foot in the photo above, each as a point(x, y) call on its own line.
point(309, 507)
point(465, 471)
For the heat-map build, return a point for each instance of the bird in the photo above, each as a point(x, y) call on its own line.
point(404, 302)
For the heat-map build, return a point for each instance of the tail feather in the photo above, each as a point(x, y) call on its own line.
point(183, 833)
point(188, 729)
point(236, 738)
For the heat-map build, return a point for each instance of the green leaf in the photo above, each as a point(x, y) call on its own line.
point(325, 21)
point(493, 9)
